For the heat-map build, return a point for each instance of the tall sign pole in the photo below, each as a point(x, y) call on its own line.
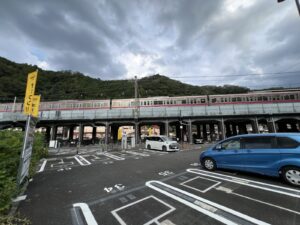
point(31, 109)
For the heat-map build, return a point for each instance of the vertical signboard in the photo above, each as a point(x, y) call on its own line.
point(30, 88)
point(31, 108)
point(35, 105)
point(27, 149)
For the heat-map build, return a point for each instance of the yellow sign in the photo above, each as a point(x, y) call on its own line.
point(35, 105)
point(30, 88)
point(120, 133)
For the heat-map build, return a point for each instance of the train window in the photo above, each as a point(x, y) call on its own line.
point(157, 102)
point(213, 100)
point(292, 97)
point(183, 101)
point(265, 98)
point(233, 99)
point(259, 98)
point(202, 100)
point(239, 99)
point(286, 97)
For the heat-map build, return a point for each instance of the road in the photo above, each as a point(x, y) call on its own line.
point(151, 187)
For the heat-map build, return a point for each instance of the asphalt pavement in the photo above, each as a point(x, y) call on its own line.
point(142, 186)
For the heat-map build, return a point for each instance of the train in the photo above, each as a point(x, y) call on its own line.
point(258, 97)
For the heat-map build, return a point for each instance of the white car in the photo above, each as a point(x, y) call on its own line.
point(161, 142)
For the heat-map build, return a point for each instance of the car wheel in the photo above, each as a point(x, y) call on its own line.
point(148, 147)
point(209, 164)
point(164, 148)
point(291, 175)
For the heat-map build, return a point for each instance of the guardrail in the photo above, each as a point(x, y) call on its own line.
point(160, 112)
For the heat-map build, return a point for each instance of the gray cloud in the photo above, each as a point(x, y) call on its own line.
point(194, 40)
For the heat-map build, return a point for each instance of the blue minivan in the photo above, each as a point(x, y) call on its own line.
point(268, 154)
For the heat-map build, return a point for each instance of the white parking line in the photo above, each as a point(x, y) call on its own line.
point(89, 218)
point(229, 191)
point(205, 206)
point(137, 153)
point(154, 220)
point(82, 161)
point(111, 156)
point(43, 166)
point(196, 189)
point(250, 183)
point(155, 151)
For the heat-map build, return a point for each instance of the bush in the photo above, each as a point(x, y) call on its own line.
point(10, 148)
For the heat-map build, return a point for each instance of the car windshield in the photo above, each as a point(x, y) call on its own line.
point(165, 138)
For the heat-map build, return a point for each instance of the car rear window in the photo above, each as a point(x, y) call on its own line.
point(257, 142)
point(285, 142)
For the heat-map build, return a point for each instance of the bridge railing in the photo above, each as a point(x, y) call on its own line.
point(162, 112)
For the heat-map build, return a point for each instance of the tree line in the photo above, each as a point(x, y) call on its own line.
point(63, 85)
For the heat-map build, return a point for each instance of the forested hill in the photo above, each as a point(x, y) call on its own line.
point(73, 85)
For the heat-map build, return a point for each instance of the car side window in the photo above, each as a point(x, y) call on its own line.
point(234, 144)
point(258, 142)
point(285, 142)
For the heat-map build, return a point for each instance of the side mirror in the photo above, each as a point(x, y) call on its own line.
point(218, 147)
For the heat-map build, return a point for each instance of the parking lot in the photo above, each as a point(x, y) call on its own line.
point(150, 187)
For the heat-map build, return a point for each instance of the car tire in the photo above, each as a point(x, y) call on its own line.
point(291, 175)
point(164, 148)
point(149, 147)
point(209, 164)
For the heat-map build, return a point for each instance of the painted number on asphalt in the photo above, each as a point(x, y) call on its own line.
point(115, 188)
point(165, 173)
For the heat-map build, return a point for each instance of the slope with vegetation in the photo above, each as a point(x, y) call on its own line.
point(10, 150)
point(74, 85)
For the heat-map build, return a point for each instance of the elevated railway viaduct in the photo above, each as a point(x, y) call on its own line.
point(186, 122)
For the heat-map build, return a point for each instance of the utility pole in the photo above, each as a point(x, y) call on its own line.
point(136, 111)
point(297, 4)
point(136, 108)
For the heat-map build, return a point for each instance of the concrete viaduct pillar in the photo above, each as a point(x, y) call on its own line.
point(204, 132)
point(71, 132)
point(190, 132)
point(137, 132)
point(254, 125)
point(271, 125)
point(221, 130)
point(94, 135)
point(53, 132)
point(107, 133)
point(167, 128)
point(81, 131)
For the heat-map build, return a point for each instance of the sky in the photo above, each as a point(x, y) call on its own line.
point(236, 42)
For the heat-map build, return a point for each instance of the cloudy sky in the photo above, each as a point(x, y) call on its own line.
point(249, 43)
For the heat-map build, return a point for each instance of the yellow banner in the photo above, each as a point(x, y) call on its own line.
point(35, 105)
point(30, 88)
